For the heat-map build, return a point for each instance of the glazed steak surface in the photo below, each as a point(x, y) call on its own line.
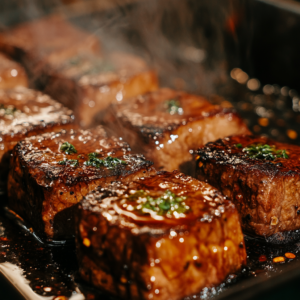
point(162, 237)
point(39, 43)
point(12, 74)
point(50, 173)
point(265, 190)
point(23, 113)
point(167, 125)
point(89, 83)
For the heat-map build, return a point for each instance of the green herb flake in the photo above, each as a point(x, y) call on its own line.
point(174, 107)
point(267, 152)
point(69, 162)
point(239, 145)
point(108, 162)
point(68, 148)
point(8, 110)
point(167, 204)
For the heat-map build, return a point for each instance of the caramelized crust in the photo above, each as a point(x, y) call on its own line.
point(46, 40)
point(138, 256)
point(89, 83)
point(66, 64)
point(43, 191)
point(265, 192)
point(169, 139)
point(12, 74)
point(23, 113)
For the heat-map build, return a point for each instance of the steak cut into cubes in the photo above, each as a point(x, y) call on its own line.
point(261, 177)
point(50, 174)
point(162, 237)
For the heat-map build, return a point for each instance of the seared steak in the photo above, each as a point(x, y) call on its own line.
point(264, 188)
point(88, 83)
point(66, 63)
point(40, 42)
point(12, 74)
point(167, 126)
point(50, 173)
point(23, 113)
point(163, 237)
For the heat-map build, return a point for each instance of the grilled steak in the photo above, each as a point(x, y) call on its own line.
point(12, 74)
point(65, 63)
point(262, 181)
point(89, 83)
point(50, 173)
point(23, 113)
point(162, 237)
point(168, 125)
point(39, 43)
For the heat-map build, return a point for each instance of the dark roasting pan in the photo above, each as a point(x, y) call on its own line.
point(257, 38)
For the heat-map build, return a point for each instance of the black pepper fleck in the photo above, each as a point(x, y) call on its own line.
point(71, 193)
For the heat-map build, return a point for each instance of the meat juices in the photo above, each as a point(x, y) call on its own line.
point(50, 173)
point(88, 83)
point(168, 125)
point(23, 113)
point(12, 74)
point(163, 237)
point(66, 64)
point(265, 190)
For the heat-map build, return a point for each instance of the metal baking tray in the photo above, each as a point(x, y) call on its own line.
point(228, 62)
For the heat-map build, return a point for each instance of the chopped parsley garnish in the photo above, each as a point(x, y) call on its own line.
point(239, 145)
point(167, 204)
point(8, 110)
point(174, 107)
point(266, 152)
point(69, 162)
point(108, 162)
point(68, 148)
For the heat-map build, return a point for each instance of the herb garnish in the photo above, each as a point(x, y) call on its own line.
point(174, 107)
point(108, 162)
point(239, 145)
point(266, 152)
point(8, 110)
point(69, 162)
point(167, 204)
point(68, 148)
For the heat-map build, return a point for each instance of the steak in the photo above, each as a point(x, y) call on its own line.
point(50, 173)
point(88, 84)
point(23, 113)
point(66, 63)
point(262, 181)
point(38, 43)
point(162, 237)
point(12, 74)
point(167, 126)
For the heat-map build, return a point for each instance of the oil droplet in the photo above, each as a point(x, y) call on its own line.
point(181, 240)
point(292, 134)
point(263, 122)
point(152, 279)
point(200, 164)
point(279, 259)
point(274, 221)
point(48, 289)
point(86, 242)
point(158, 244)
point(262, 258)
point(290, 255)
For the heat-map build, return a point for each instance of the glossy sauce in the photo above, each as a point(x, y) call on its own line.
point(204, 201)
point(33, 110)
point(225, 152)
